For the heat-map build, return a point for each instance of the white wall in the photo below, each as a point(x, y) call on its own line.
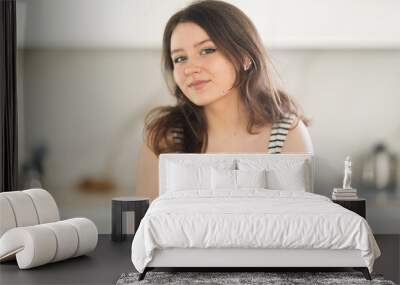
point(91, 69)
point(137, 23)
point(89, 105)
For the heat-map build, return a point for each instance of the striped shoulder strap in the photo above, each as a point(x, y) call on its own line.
point(178, 138)
point(177, 134)
point(279, 132)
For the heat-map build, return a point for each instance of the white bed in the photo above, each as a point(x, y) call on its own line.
point(247, 210)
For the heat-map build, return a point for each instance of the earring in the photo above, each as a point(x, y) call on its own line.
point(247, 65)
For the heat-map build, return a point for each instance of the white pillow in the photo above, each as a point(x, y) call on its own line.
point(282, 173)
point(236, 179)
point(223, 179)
point(181, 177)
point(251, 178)
point(289, 179)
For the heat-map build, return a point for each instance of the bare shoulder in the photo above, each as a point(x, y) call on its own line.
point(298, 139)
point(147, 173)
point(147, 153)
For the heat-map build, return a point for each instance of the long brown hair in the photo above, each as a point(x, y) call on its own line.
point(183, 127)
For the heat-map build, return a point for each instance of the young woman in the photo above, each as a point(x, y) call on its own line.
point(217, 69)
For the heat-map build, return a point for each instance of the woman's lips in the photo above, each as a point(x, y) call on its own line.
point(199, 84)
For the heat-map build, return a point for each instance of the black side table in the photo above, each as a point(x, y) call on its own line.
point(357, 206)
point(122, 204)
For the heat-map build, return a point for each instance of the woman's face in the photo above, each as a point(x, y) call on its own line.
point(201, 71)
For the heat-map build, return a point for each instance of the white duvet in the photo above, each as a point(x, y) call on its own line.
point(251, 218)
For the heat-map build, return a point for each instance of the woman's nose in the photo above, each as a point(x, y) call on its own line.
point(191, 68)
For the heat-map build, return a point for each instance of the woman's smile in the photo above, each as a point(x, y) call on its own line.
point(198, 84)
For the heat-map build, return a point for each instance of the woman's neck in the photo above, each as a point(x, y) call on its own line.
point(227, 117)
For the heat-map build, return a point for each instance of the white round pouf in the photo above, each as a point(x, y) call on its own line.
point(31, 233)
point(33, 246)
point(87, 232)
point(23, 208)
point(67, 240)
point(45, 205)
point(7, 215)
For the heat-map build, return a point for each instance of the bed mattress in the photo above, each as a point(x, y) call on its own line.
point(250, 219)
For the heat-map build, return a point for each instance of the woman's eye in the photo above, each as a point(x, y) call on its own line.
point(208, 50)
point(179, 59)
point(203, 51)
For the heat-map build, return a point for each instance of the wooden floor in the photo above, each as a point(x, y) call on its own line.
point(111, 259)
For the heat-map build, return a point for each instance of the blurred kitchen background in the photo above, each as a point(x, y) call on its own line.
point(89, 70)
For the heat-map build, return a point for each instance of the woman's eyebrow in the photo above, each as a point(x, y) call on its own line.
point(195, 45)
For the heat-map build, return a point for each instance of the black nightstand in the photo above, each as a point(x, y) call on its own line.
point(358, 206)
point(121, 204)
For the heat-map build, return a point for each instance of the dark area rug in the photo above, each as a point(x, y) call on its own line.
point(275, 278)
